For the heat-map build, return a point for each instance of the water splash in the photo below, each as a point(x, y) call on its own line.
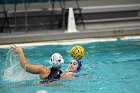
point(13, 72)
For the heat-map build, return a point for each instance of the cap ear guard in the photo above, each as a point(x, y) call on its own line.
point(56, 60)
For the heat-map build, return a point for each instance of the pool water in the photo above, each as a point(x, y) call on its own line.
point(111, 67)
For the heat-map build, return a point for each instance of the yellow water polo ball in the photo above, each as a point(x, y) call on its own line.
point(77, 52)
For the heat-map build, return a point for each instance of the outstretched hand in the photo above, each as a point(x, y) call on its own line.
point(16, 48)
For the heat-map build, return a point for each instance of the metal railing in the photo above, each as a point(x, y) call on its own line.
point(27, 3)
point(5, 18)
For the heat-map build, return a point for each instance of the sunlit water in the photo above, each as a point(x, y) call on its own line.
point(112, 67)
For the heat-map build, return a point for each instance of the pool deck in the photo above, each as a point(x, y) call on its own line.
point(101, 29)
point(117, 30)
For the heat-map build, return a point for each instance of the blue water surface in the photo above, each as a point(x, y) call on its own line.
point(108, 67)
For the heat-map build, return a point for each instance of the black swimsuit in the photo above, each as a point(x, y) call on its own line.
point(53, 76)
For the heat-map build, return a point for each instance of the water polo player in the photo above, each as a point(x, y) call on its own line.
point(76, 53)
point(45, 73)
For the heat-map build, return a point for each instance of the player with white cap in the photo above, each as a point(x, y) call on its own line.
point(45, 73)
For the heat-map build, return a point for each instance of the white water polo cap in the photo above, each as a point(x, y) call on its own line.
point(56, 60)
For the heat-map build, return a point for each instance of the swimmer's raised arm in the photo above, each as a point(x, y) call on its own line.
point(44, 72)
point(22, 58)
point(34, 69)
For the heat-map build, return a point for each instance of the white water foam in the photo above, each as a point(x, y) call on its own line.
point(13, 72)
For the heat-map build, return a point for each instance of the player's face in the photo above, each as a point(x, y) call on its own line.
point(73, 66)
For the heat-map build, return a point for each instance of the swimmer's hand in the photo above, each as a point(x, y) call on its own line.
point(17, 49)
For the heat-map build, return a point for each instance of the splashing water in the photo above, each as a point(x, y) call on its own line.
point(13, 72)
